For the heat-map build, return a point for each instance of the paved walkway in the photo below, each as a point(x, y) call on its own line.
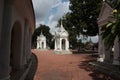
point(62, 67)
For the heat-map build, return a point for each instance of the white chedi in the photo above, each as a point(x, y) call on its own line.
point(61, 32)
point(41, 41)
point(61, 39)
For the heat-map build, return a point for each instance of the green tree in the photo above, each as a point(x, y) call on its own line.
point(84, 14)
point(46, 32)
point(115, 4)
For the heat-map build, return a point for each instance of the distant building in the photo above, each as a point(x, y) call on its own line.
point(89, 45)
point(61, 40)
point(41, 42)
point(17, 23)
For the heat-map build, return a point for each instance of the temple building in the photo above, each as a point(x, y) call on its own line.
point(104, 53)
point(17, 23)
point(41, 42)
point(61, 41)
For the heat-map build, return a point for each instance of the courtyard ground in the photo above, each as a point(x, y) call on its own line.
point(64, 66)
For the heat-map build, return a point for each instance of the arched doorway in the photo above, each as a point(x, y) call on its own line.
point(42, 45)
point(63, 44)
point(16, 46)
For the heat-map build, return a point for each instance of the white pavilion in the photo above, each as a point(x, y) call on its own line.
point(41, 42)
point(61, 41)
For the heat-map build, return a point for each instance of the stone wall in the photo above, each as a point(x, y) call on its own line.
point(17, 23)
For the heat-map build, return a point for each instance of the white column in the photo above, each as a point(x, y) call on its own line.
point(67, 44)
point(60, 46)
point(55, 47)
point(44, 44)
point(40, 45)
point(101, 47)
point(116, 57)
point(37, 44)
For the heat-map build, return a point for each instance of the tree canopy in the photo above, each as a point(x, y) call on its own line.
point(84, 14)
point(46, 32)
point(115, 4)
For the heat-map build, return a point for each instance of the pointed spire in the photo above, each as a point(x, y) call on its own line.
point(62, 28)
point(84, 2)
point(90, 40)
point(103, 0)
point(61, 24)
point(41, 33)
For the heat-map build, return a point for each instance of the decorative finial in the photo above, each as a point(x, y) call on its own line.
point(41, 32)
point(90, 40)
point(84, 2)
point(61, 23)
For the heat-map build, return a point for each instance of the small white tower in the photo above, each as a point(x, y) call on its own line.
point(41, 42)
point(61, 40)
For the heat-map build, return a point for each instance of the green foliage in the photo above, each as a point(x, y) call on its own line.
point(80, 44)
point(112, 30)
point(115, 4)
point(84, 14)
point(46, 31)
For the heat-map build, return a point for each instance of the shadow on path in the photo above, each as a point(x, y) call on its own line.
point(94, 74)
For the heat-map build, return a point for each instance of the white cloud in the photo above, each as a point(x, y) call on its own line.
point(42, 8)
point(94, 39)
point(62, 9)
point(52, 26)
point(58, 3)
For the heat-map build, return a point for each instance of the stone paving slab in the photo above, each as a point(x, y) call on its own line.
point(62, 66)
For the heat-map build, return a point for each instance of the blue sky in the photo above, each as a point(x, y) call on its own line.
point(65, 0)
point(48, 12)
